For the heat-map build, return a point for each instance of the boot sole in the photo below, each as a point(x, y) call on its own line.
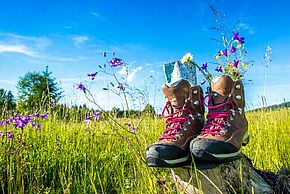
point(159, 162)
point(203, 155)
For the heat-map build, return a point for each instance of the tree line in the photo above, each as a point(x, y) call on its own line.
point(39, 91)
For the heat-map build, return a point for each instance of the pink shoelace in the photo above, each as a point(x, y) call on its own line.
point(174, 121)
point(215, 120)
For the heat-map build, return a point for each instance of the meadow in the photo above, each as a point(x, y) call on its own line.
point(101, 157)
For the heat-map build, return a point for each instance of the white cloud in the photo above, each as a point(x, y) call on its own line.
point(247, 28)
point(123, 71)
point(98, 15)
point(27, 45)
point(133, 73)
point(36, 41)
point(79, 39)
point(17, 48)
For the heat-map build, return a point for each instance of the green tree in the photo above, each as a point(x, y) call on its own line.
point(7, 101)
point(38, 90)
point(149, 109)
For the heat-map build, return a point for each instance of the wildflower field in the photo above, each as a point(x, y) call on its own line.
point(50, 155)
point(83, 88)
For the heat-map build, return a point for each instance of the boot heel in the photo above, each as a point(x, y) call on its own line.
point(246, 139)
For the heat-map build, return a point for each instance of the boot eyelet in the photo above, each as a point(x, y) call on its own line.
point(222, 133)
point(238, 86)
point(240, 110)
point(228, 124)
point(238, 97)
point(195, 92)
point(233, 112)
point(196, 103)
point(177, 136)
point(215, 94)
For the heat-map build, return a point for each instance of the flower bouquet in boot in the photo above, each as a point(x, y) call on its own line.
point(226, 127)
point(183, 113)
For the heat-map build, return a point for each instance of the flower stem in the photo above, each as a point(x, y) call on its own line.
point(203, 73)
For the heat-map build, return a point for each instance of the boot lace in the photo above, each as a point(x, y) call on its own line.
point(216, 120)
point(174, 121)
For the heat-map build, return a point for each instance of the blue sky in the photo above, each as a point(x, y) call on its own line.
point(70, 36)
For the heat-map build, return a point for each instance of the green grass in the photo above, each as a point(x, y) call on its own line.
point(64, 157)
point(269, 146)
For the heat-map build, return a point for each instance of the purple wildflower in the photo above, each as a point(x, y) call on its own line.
point(97, 115)
point(236, 63)
point(1, 134)
point(204, 67)
point(121, 87)
point(38, 127)
point(36, 115)
point(9, 135)
point(224, 52)
point(33, 124)
point(44, 116)
point(80, 86)
point(116, 62)
point(19, 125)
point(88, 119)
point(92, 75)
point(238, 39)
point(235, 36)
point(242, 40)
point(134, 129)
point(233, 49)
point(27, 119)
point(219, 69)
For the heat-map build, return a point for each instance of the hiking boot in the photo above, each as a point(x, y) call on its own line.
point(184, 116)
point(226, 127)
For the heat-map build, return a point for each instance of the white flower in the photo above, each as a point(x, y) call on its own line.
point(186, 58)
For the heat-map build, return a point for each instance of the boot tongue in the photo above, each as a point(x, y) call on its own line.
point(177, 93)
point(221, 87)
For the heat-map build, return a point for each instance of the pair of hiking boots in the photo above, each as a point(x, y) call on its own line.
point(217, 139)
